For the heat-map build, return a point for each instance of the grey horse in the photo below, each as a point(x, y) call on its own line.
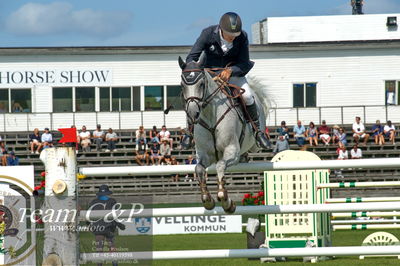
point(221, 133)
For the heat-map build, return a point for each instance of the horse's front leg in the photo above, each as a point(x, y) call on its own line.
point(230, 157)
point(206, 198)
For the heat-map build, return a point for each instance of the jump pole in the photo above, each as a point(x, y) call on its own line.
point(372, 221)
point(365, 226)
point(360, 199)
point(246, 210)
point(360, 184)
point(242, 253)
point(242, 167)
point(365, 214)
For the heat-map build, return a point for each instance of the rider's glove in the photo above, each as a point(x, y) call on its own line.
point(226, 74)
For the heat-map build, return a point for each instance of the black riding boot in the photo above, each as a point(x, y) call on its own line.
point(262, 140)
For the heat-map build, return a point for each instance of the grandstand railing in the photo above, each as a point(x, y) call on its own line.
point(12, 122)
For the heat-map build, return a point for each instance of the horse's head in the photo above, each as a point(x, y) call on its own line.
point(193, 88)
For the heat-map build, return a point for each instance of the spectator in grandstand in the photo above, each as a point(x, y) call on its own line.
point(335, 134)
point(190, 160)
point(342, 137)
point(267, 133)
point(154, 136)
point(324, 133)
point(17, 108)
point(84, 137)
point(3, 153)
point(154, 152)
point(12, 159)
point(299, 133)
point(356, 152)
point(281, 145)
point(111, 139)
point(98, 137)
point(377, 133)
point(283, 130)
point(35, 141)
point(185, 141)
point(142, 153)
point(47, 139)
point(390, 131)
point(75, 144)
point(3, 108)
point(343, 154)
point(174, 177)
point(165, 134)
point(312, 134)
point(141, 134)
point(165, 151)
point(359, 131)
point(104, 229)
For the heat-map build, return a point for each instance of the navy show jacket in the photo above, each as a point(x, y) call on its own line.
point(210, 42)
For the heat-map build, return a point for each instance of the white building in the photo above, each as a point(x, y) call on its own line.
point(314, 68)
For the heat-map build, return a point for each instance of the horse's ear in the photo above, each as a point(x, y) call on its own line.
point(182, 63)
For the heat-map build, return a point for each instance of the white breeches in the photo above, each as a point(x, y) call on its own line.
point(248, 92)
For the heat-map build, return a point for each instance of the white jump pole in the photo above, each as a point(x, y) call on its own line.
point(242, 253)
point(365, 226)
point(242, 167)
point(246, 210)
point(360, 199)
point(372, 221)
point(360, 184)
point(365, 214)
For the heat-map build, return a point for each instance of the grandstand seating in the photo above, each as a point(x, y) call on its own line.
point(164, 190)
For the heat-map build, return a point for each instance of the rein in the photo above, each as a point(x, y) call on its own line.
point(223, 86)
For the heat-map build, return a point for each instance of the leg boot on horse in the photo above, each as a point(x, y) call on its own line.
point(227, 204)
point(206, 198)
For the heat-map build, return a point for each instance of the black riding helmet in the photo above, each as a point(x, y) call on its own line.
point(231, 23)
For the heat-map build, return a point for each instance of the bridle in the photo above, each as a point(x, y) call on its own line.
point(204, 100)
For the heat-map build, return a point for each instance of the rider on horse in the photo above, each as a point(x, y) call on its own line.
point(227, 44)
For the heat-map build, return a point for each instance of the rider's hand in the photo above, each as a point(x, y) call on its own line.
point(226, 74)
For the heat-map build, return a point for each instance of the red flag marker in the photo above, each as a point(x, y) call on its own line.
point(69, 135)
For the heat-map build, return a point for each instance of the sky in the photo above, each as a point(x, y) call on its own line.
point(50, 23)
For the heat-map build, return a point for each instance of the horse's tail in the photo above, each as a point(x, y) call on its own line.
point(260, 90)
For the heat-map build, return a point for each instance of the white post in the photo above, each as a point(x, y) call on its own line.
point(60, 235)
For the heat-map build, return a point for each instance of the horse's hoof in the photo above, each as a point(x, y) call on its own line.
point(231, 208)
point(210, 204)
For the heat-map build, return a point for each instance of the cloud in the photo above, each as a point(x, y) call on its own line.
point(61, 18)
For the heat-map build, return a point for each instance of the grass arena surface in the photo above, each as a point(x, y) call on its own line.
point(237, 241)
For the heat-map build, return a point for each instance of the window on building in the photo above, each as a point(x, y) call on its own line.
point(174, 97)
point(136, 98)
point(153, 98)
point(4, 101)
point(105, 99)
point(21, 100)
point(84, 99)
point(305, 95)
point(392, 92)
point(62, 100)
point(121, 99)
